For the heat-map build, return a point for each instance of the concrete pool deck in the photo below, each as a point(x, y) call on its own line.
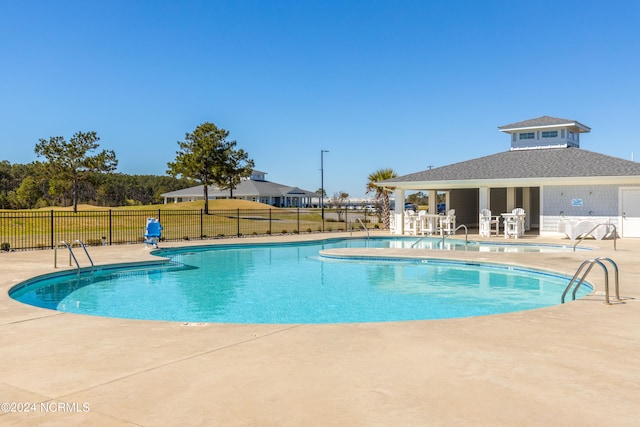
point(572, 364)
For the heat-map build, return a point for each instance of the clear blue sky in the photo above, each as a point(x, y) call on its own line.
point(380, 84)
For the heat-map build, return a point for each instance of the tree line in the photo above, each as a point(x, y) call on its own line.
point(29, 186)
point(73, 172)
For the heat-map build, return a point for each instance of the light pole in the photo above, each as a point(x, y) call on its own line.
point(322, 184)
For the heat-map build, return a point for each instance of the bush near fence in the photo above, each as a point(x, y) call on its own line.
point(27, 230)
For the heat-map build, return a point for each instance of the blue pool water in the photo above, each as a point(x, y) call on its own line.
point(291, 283)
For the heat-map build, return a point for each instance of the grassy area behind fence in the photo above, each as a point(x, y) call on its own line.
point(44, 229)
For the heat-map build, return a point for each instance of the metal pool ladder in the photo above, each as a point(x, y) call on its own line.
point(444, 236)
point(589, 265)
point(364, 226)
point(71, 254)
point(606, 224)
point(466, 235)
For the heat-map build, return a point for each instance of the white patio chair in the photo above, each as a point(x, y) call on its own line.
point(448, 222)
point(488, 223)
point(410, 222)
point(427, 224)
point(514, 224)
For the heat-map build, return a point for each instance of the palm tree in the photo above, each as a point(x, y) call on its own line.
point(382, 194)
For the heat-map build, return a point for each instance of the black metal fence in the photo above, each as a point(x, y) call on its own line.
point(23, 230)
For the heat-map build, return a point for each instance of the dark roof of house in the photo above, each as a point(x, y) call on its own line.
point(544, 121)
point(246, 188)
point(536, 163)
point(250, 187)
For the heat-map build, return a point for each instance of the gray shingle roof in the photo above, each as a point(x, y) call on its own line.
point(247, 188)
point(541, 163)
point(542, 121)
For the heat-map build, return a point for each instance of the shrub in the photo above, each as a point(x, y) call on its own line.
point(5, 246)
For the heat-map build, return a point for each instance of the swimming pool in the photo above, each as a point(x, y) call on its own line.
point(292, 283)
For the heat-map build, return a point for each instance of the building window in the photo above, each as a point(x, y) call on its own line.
point(527, 135)
point(550, 134)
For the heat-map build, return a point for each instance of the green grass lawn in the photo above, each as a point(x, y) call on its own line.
point(45, 227)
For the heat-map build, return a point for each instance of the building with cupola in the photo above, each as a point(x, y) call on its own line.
point(544, 171)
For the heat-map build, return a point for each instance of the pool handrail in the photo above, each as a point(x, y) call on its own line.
point(71, 254)
point(608, 224)
point(466, 234)
point(591, 263)
point(86, 252)
point(364, 226)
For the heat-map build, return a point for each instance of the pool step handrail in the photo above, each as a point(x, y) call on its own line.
point(364, 226)
point(86, 252)
point(466, 234)
point(419, 240)
point(72, 256)
point(581, 278)
point(606, 224)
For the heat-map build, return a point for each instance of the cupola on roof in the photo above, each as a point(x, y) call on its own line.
point(545, 132)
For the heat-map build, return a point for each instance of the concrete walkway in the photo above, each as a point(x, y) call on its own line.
point(567, 365)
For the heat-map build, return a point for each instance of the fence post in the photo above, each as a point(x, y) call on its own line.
point(270, 221)
point(52, 231)
point(238, 222)
point(346, 218)
point(299, 220)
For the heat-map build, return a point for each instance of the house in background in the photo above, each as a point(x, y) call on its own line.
point(545, 172)
point(255, 188)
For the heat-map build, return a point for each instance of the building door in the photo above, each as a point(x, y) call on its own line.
point(630, 212)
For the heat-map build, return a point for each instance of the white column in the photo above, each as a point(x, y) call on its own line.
point(398, 212)
point(526, 205)
point(483, 198)
point(541, 205)
point(511, 198)
point(433, 201)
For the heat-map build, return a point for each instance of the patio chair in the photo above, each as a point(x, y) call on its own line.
point(448, 222)
point(410, 222)
point(489, 224)
point(153, 232)
point(514, 223)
